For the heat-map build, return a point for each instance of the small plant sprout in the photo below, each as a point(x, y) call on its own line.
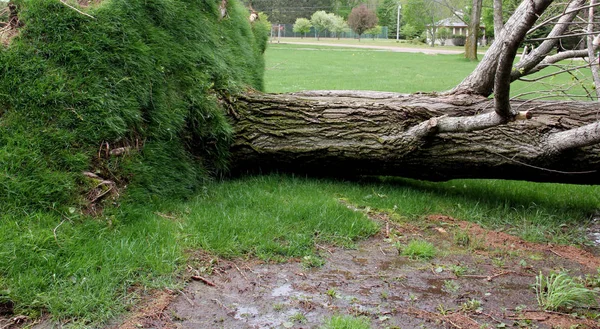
point(418, 249)
point(458, 270)
point(471, 305)
point(347, 322)
point(298, 317)
point(450, 286)
point(462, 238)
point(312, 262)
point(559, 291)
point(332, 293)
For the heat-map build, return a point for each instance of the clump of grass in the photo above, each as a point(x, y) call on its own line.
point(346, 322)
point(560, 291)
point(311, 261)
point(418, 249)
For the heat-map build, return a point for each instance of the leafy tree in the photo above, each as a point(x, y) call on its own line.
point(320, 20)
point(374, 31)
point(302, 26)
point(338, 25)
point(387, 13)
point(410, 32)
point(443, 34)
point(425, 15)
point(361, 19)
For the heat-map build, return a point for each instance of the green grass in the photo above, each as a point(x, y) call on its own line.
point(347, 322)
point(86, 270)
point(418, 249)
point(291, 68)
point(560, 291)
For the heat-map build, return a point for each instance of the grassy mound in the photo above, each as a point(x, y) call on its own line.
point(142, 77)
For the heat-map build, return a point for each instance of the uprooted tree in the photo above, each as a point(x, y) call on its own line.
point(457, 134)
point(153, 95)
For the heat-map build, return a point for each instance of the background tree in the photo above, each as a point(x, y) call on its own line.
point(321, 21)
point(361, 19)
point(374, 31)
point(473, 31)
point(338, 25)
point(425, 15)
point(443, 34)
point(387, 12)
point(287, 11)
point(302, 26)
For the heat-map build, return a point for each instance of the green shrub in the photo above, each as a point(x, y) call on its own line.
point(459, 40)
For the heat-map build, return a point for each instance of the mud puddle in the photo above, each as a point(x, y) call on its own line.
point(486, 283)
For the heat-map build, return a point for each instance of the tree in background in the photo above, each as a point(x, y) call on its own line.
point(473, 34)
point(338, 25)
point(387, 12)
point(362, 19)
point(374, 31)
point(321, 21)
point(425, 15)
point(302, 26)
point(443, 34)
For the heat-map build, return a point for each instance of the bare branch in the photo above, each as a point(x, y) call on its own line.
point(481, 80)
point(592, 44)
point(555, 73)
point(574, 138)
point(525, 66)
point(564, 36)
point(77, 10)
point(568, 11)
point(549, 60)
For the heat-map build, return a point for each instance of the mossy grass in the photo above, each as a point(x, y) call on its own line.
point(146, 75)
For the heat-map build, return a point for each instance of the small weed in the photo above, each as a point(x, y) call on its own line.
point(384, 295)
point(462, 238)
point(458, 270)
point(498, 262)
point(471, 305)
point(442, 309)
point(278, 307)
point(312, 261)
point(332, 293)
point(418, 249)
point(298, 317)
point(450, 286)
point(347, 322)
point(558, 291)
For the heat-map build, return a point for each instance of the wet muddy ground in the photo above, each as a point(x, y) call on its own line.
point(478, 279)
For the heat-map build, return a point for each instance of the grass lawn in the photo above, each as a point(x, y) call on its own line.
point(88, 270)
point(292, 68)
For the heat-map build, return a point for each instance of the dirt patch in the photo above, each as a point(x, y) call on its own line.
point(506, 241)
point(460, 288)
point(151, 312)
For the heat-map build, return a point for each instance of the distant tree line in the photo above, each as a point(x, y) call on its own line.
point(361, 20)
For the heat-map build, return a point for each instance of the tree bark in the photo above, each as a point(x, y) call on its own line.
point(471, 42)
point(498, 19)
point(417, 136)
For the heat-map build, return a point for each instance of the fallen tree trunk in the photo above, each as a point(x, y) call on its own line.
point(418, 136)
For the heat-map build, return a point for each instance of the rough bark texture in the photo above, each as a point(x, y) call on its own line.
point(417, 136)
point(473, 36)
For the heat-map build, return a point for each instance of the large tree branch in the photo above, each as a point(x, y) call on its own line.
point(481, 80)
point(592, 44)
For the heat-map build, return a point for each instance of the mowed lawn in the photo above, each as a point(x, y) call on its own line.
point(291, 68)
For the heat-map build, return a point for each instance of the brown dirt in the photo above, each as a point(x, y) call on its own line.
point(373, 280)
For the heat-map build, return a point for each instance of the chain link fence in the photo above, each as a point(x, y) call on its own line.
point(287, 31)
